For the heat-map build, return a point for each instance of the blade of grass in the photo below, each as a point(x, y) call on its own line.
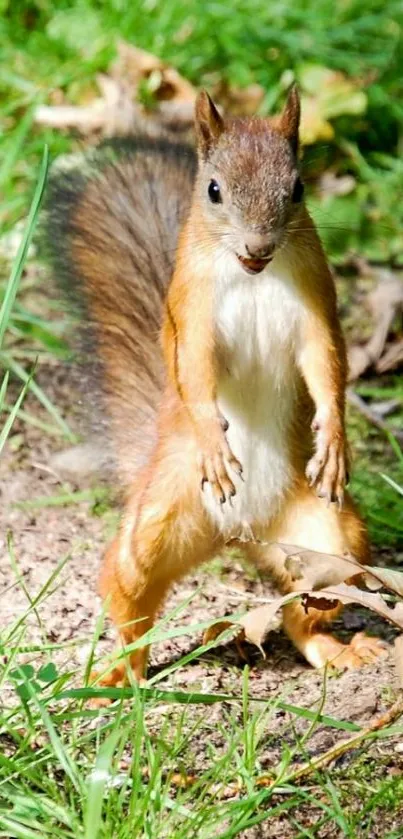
point(18, 139)
point(3, 391)
point(12, 415)
point(15, 276)
point(19, 371)
point(97, 782)
point(392, 483)
point(194, 698)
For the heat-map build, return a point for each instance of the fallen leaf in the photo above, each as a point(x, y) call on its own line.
point(317, 570)
point(314, 128)
point(326, 94)
point(387, 577)
point(118, 111)
point(254, 626)
point(257, 624)
point(216, 629)
point(351, 594)
point(135, 65)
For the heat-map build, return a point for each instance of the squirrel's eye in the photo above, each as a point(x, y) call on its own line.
point(214, 192)
point(298, 191)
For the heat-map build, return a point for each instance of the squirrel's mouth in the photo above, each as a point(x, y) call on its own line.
point(252, 265)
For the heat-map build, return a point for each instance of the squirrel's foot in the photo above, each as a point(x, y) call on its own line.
point(215, 458)
point(118, 677)
point(327, 469)
point(323, 649)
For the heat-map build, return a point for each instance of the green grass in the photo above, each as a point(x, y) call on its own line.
point(153, 764)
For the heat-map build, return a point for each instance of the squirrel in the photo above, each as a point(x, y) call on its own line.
point(223, 363)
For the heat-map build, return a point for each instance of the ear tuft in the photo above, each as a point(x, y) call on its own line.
point(209, 123)
point(289, 119)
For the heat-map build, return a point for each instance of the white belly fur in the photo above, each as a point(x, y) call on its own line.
point(256, 325)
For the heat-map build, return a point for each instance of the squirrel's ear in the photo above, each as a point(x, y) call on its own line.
point(289, 118)
point(209, 123)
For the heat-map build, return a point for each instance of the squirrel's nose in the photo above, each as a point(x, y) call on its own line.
point(258, 250)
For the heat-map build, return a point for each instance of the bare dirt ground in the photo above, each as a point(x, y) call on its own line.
point(43, 535)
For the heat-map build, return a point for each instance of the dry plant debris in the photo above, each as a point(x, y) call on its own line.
point(118, 111)
point(321, 581)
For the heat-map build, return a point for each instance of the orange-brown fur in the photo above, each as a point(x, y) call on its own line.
point(165, 530)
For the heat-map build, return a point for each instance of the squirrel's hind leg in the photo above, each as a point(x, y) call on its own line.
point(308, 522)
point(163, 535)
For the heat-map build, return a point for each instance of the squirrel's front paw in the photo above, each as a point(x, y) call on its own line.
point(214, 458)
point(327, 469)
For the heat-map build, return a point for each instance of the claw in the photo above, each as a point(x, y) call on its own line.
point(214, 459)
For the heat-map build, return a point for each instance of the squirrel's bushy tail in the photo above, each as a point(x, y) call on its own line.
point(110, 230)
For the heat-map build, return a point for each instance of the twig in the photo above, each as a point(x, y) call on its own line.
point(339, 749)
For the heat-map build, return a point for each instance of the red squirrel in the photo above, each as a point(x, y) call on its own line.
point(230, 424)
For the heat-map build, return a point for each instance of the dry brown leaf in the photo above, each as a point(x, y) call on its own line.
point(116, 112)
point(214, 631)
point(317, 570)
point(136, 65)
point(351, 594)
point(253, 626)
point(257, 624)
point(386, 577)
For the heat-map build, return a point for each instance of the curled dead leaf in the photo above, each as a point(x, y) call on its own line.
point(351, 594)
point(253, 626)
point(317, 570)
point(217, 629)
point(325, 604)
